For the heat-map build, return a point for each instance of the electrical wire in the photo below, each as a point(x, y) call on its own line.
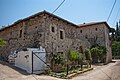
point(58, 6)
point(117, 15)
point(111, 10)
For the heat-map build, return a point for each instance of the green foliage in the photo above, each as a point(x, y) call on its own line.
point(94, 52)
point(2, 42)
point(117, 32)
point(98, 53)
point(88, 54)
point(58, 58)
point(103, 49)
point(73, 55)
point(81, 57)
point(102, 54)
point(116, 48)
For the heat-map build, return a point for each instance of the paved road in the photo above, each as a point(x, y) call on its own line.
point(106, 72)
point(8, 72)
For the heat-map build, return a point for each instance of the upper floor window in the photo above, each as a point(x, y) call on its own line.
point(52, 28)
point(20, 35)
point(61, 34)
point(96, 29)
point(81, 31)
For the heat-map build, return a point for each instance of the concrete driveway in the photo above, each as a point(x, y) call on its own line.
point(110, 71)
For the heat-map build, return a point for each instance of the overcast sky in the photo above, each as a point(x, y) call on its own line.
point(76, 11)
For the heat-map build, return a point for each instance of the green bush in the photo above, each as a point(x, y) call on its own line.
point(98, 54)
point(88, 54)
point(58, 58)
point(116, 48)
point(102, 53)
point(2, 42)
point(95, 54)
point(81, 59)
point(73, 55)
point(88, 57)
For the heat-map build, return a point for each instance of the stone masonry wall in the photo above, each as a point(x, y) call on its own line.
point(37, 32)
point(99, 34)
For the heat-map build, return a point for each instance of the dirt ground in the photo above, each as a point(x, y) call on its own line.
point(110, 71)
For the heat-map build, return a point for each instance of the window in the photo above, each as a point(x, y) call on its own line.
point(53, 29)
point(81, 49)
point(61, 34)
point(96, 29)
point(81, 31)
point(86, 36)
point(60, 52)
point(20, 34)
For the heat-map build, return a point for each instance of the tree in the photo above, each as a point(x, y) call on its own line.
point(81, 59)
point(102, 53)
point(117, 32)
point(95, 54)
point(2, 42)
point(88, 56)
point(98, 53)
point(77, 57)
point(116, 48)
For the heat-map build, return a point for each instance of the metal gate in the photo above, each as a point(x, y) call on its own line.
point(39, 63)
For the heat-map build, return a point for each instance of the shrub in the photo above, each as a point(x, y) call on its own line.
point(98, 53)
point(81, 59)
point(88, 54)
point(116, 48)
point(2, 42)
point(102, 53)
point(95, 54)
point(58, 58)
point(73, 55)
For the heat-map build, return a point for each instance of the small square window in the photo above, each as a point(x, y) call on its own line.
point(96, 29)
point(86, 37)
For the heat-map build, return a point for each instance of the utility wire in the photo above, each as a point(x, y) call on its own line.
point(58, 6)
point(111, 10)
point(117, 15)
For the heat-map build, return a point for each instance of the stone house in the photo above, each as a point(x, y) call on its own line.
point(54, 34)
point(97, 33)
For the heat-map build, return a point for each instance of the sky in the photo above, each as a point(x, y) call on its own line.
point(75, 11)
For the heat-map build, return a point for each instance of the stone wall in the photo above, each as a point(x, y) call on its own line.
point(37, 31)
point(97, 34)
point(45, 30)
